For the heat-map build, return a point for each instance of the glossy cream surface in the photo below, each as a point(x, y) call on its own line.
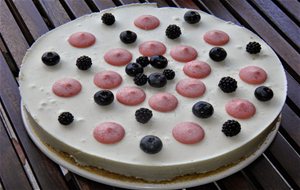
point(125, 157)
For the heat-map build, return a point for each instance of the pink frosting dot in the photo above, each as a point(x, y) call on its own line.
point(82, 39)
point(163, 102)
point(107, 79)
point(188, 133)
point(109, 133)
point(151, 48)
point(191, 88)
point(183, 53)
point(66, 87)
point(131, 96)
point(240, 108)
point(216, 37)
point(253, 75)
point(146, 22)
point(118, 57)
point(197, 69)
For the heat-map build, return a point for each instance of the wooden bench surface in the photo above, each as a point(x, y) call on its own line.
point(24, 166)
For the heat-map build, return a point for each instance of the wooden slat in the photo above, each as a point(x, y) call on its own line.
point(292, 6)
point(218, 9)
point(55, 11)
point(269, 34)
point(287, 158)
point(264, 175)
point(293, 89)
point(236, 182)
point(47, 172)
point(160, 3)
point(10, 166)
point(103, 4)
point(186, 4)
point(129, 1)
point(280, 19)
point(209, 186)
point(31, 18)
point(291, 124)
point(78, 7)
point(12, 34)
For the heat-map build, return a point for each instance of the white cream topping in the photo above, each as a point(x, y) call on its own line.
point(36, 81)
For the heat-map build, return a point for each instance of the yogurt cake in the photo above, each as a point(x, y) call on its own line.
point(208, 98)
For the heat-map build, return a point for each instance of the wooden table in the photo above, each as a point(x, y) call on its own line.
point(23, 166)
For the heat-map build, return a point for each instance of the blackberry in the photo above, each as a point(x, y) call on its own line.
point(157, 80)
point(217, 54)
point(84, 62)
point(192, 17)
point(65, 118)
point(263, 93)
point(50, 58)
point(151, 144)
point(140, 79)
point(203, 109)
point(128, 37)
point(173, 31)
point(103, 97)
point(143, 61)
point(227, 84)
point(143, 115)
point(108, 19)
point(158, 61)
point(231, 128)
point(132, 69)
point(253, 47)
point(169, 74)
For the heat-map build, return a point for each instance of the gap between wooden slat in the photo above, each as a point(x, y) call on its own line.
point(118, 2)
point(281, 171)
point(251, 179)
point(289, 139)
point(18, 148)
point(43, 13)
point(67, 9)
point(92, 5)
point(8, 58)
point(285, 36)
point(266, 157)
point(202, 6)
point(11, 165)
point(172, 3)
point(287, 12)
point(20, 22)
point(293, 106)
point(285, 159)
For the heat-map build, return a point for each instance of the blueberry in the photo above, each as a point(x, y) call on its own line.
point(217, 54)
point(50, 58)
point(104, 97)
point(151, 144)
point(203, 109)
point(128, 37)
point(263, 93)
point(157, 80)
point(158, 61)
point(192, 17)
point(132, 69)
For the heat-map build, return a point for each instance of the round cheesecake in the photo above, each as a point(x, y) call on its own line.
point(45, 95)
